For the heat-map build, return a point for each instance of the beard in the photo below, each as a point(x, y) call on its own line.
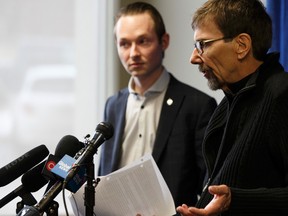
point(213, 82)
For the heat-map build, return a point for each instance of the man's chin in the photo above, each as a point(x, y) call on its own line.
point(213, 84)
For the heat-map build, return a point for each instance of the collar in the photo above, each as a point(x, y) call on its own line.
point(159, 86)
point(250, 80)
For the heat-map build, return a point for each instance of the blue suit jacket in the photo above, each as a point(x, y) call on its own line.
point(178, 145)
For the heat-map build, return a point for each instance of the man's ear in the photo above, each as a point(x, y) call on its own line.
point(243, 45)
point(165, 41)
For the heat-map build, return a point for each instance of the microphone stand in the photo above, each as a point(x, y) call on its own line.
point(91, 183)
point(89, 200)
point(53, 209)
point(27, 198)
point(47, 204)
point(104, 131)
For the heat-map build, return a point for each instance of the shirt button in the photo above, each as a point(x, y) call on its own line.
point(142, 107)
point(140, 135)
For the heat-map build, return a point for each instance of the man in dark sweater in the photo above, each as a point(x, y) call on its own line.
point(246, 141)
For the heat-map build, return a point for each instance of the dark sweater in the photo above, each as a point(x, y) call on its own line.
point(246, 144)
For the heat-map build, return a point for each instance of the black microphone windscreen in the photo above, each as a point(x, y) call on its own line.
point(33, 180)
point(22, 164)
point(68, 145)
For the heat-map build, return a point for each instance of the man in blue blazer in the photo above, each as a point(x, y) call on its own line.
point(156, 113)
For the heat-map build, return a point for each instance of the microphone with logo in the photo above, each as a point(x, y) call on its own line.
point(68, 145)
point(104, 131)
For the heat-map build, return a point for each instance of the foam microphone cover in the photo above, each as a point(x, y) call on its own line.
point(68, 145)
point(22, 164)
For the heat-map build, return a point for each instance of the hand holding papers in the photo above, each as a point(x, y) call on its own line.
point(138, 188)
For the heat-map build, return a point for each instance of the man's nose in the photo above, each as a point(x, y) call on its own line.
point(134, 51)
point(195, 57)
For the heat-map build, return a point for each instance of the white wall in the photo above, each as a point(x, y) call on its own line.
point(53, 32)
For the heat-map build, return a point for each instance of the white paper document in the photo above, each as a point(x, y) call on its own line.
point(138, 188)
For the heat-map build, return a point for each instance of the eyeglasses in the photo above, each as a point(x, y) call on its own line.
point(199, 45)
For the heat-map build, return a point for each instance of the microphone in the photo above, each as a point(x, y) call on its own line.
point(104, 131)
point(32, 181)
point(22, 164)
point(68, 145)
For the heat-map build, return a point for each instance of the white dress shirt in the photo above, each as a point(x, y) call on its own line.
point(142, 117)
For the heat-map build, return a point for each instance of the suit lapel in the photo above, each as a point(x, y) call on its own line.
point(120, 111)
point(170, 107)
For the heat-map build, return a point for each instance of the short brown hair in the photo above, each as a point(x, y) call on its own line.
point(239, 16)
point(140, 8)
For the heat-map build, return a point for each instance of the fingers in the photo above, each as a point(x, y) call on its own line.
point(220, 203)
point(222, 196)
point(183, 210)
point(219, 189)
